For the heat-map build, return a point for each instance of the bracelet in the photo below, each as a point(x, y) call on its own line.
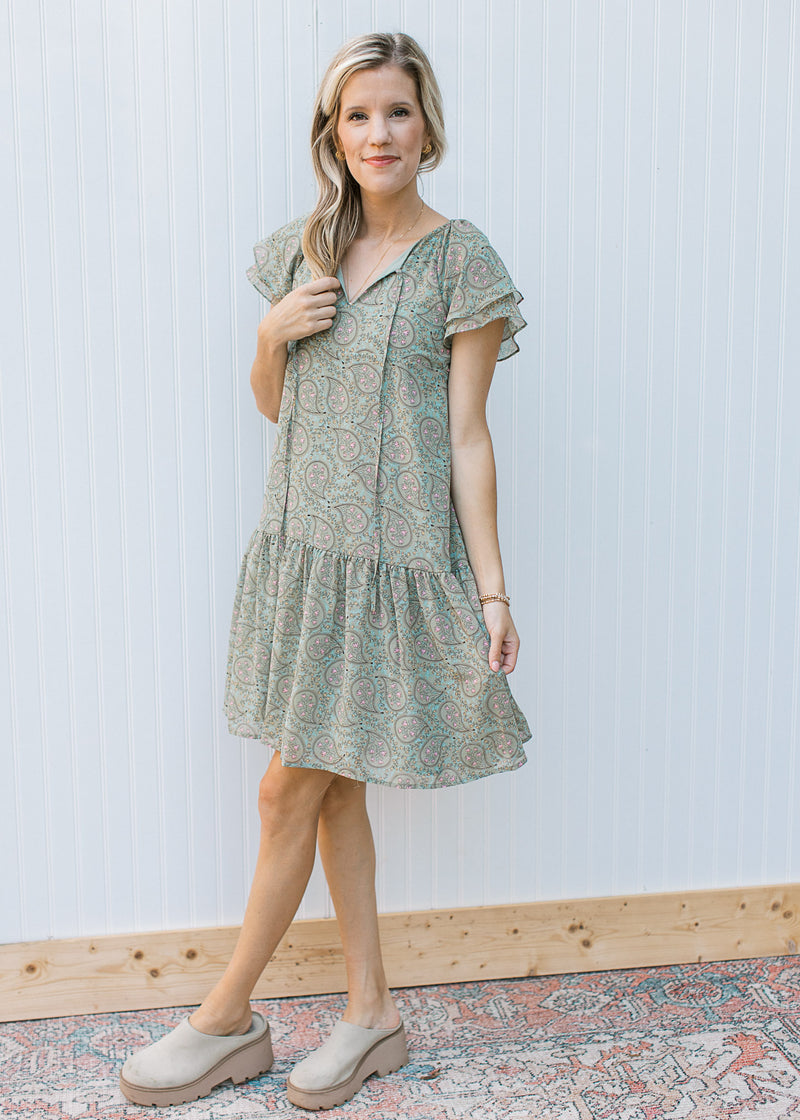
point(494, 597)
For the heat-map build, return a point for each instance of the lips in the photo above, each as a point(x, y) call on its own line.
point(381, 161)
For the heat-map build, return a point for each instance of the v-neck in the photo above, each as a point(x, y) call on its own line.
point(391, 267)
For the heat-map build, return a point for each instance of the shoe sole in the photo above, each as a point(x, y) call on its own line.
point(251, 1061)
point(386, 1056)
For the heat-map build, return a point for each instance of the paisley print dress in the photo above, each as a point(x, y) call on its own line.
point(357, 643)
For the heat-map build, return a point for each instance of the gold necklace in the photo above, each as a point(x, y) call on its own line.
point(385, 251)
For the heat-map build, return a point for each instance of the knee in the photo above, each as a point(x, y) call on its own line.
point(287, 796)
point(344, 795)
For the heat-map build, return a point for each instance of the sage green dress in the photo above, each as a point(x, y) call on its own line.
point(358, 643)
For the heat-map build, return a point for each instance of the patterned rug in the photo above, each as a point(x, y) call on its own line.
point(699, 1040)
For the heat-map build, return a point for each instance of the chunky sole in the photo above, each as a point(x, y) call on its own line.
point(251, 1061)
point(386, 1056)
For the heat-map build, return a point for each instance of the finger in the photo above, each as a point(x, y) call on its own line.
point(509, 661)
point(320, 299)
point(323, 284)
point(322, 325)
point(323, 311)
point(316, 315)
point(495, 653)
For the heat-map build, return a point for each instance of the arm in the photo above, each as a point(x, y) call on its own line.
point(269, 370)
point(304, 311)
point(473, 479)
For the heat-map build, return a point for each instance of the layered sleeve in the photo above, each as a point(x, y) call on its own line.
point(477, 288)
point(276, 258)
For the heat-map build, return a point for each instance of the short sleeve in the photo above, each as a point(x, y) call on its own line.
point(478, 289)
point(276, 258)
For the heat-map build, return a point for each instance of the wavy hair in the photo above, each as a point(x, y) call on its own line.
point(334, 221)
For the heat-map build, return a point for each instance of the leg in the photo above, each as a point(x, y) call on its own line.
point(348, 857)
point(289, 805)
point(370, 1038)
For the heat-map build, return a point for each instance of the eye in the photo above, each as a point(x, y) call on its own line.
point(403, 111)
point(353, 116)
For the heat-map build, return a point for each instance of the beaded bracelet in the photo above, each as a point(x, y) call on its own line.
point(494, 597)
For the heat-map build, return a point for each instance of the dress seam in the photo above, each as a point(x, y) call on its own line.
point(283, 538)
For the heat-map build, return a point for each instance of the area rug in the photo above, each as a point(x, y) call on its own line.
point(700, 1040)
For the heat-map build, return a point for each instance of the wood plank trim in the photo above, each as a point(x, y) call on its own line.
point(172, 968)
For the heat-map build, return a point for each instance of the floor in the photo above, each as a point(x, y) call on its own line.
point(699, 1040)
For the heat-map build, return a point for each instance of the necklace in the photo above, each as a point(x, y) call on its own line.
point(385, 251)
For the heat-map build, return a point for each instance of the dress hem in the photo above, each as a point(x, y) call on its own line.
point(359, 774)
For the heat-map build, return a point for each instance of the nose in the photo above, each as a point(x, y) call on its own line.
point(378, 130)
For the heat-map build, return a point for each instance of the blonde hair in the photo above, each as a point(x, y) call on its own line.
point(334, 221)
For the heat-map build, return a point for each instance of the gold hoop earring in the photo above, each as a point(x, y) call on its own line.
point(340, 155)
point(426, 149)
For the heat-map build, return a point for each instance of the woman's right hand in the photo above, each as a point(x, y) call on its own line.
point(309, 309)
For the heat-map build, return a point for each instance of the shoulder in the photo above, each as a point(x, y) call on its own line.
point(465, 244)
point(283, 243)
point(277, 259)
point(464, 232)
point(471, 261)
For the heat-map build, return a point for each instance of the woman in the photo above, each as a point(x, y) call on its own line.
point(360, 648)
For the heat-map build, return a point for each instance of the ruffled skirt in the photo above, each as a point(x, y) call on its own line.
point(398, 693)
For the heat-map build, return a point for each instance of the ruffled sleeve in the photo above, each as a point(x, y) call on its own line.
point(276, 259)
point(477, 288)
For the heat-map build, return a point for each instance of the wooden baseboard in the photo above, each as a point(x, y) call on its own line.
point(174, 968)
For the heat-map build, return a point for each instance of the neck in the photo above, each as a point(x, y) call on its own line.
point(387, 216)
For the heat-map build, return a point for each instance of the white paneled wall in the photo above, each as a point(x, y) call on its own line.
point(636, 165)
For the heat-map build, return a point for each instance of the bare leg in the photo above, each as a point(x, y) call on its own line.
point(289, 803)
point(348, 857)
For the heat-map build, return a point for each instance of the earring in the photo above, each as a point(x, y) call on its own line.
point(339, 155)
point(426, 149)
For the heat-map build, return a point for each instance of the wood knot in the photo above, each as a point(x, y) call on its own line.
point(138, 955)
point(191, 954)
point(154, 972)
point(30, 967)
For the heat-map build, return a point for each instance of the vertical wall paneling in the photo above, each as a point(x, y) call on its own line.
point(636, 168)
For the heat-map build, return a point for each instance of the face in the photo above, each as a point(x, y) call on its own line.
point(381, 128)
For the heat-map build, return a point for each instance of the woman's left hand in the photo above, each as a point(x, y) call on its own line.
point(505, 639)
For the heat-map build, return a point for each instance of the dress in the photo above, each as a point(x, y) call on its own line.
point(358, 643)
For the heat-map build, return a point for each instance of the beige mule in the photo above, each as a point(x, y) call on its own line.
point(337, 1070)
point(186, 1063)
